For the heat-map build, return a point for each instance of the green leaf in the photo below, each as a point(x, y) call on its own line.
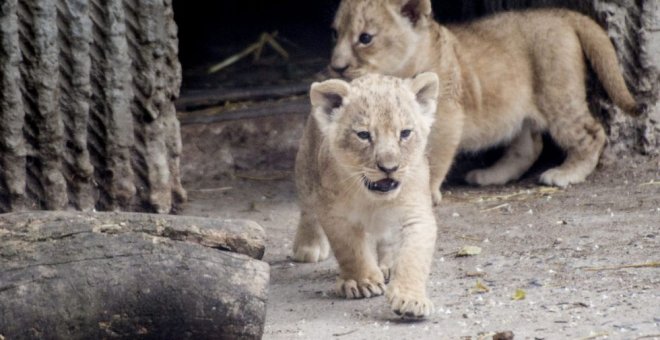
point(519, 295)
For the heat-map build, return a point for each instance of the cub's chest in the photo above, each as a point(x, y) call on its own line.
point(375, 218)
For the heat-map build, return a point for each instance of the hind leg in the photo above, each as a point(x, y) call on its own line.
point(517, 159)
point(443, 144)
point(583, 139)
point(311, 243)
point(561, 97)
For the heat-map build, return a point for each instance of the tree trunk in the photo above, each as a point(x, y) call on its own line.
point(87, 119)
point(90, 276)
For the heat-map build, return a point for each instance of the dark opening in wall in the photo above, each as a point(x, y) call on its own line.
point(211, 31)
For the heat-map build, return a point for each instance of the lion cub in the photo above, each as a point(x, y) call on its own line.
point(506, 79)
point(362, 179)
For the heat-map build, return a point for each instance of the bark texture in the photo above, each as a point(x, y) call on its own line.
point(67, 275)
point(87, 119)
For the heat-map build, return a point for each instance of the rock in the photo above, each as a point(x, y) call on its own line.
point(105, 275)
point(508, 335)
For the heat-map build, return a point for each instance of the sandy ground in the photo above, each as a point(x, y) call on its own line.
point(566, 249)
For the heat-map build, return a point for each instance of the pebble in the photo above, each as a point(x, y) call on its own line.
point(508, 335)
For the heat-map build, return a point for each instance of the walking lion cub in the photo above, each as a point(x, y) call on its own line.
point(506, 79)
point(362, 177)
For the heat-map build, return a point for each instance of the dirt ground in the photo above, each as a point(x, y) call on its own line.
point(583, 256)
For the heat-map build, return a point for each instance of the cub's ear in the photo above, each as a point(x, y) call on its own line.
point(414, 10)
point(425, 86)
point(326, 98)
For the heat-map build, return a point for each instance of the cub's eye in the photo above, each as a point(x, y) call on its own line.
point(333, 34)
point(364, 135)
point(405, 133)
point(365, 38)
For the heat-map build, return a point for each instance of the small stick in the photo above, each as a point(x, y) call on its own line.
point(205, 98)
point(525, 193)
point(262, 42)
point(236, 57)
point(637, 265)
point(270, 39)
point(595, 336)
point(476, 239)
point(345, 333)
point(504, 205)
point(220, 114)
point(212, 189)
point(263, 178)
point(256, 48)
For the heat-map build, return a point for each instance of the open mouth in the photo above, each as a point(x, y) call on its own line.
point(383, 185)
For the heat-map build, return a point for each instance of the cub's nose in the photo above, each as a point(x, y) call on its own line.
point(339, 69)
point(386, 169)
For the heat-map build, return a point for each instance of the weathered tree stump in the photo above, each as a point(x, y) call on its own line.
point(74, 275)
point(87, 119)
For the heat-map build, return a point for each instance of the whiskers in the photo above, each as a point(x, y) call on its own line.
point(352, 182)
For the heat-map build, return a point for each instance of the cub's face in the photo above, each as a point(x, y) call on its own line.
point(376, 127)
point(377, 36)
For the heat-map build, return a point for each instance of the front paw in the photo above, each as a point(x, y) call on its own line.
point(484, 177)
point(477, 177)
point(560, 178)
point(362, 288)
point(313, 253)
point(407, 303)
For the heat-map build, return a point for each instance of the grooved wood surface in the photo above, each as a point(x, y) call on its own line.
point(87, 119)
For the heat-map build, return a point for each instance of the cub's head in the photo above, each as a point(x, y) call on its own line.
point(376, 127)
point(378, 36)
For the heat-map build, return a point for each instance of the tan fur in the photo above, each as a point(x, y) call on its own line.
point(374, 235)
point(506, 79)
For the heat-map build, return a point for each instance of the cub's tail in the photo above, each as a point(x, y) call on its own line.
point(600, 52)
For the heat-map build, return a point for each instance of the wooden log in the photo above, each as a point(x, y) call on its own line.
point(212, 97)
point(74, 275)
point(262, 109)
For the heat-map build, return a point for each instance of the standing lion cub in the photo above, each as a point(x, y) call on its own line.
point(362, 179)
point(506, 79)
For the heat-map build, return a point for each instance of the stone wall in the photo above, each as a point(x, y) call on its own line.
point(86, 114)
